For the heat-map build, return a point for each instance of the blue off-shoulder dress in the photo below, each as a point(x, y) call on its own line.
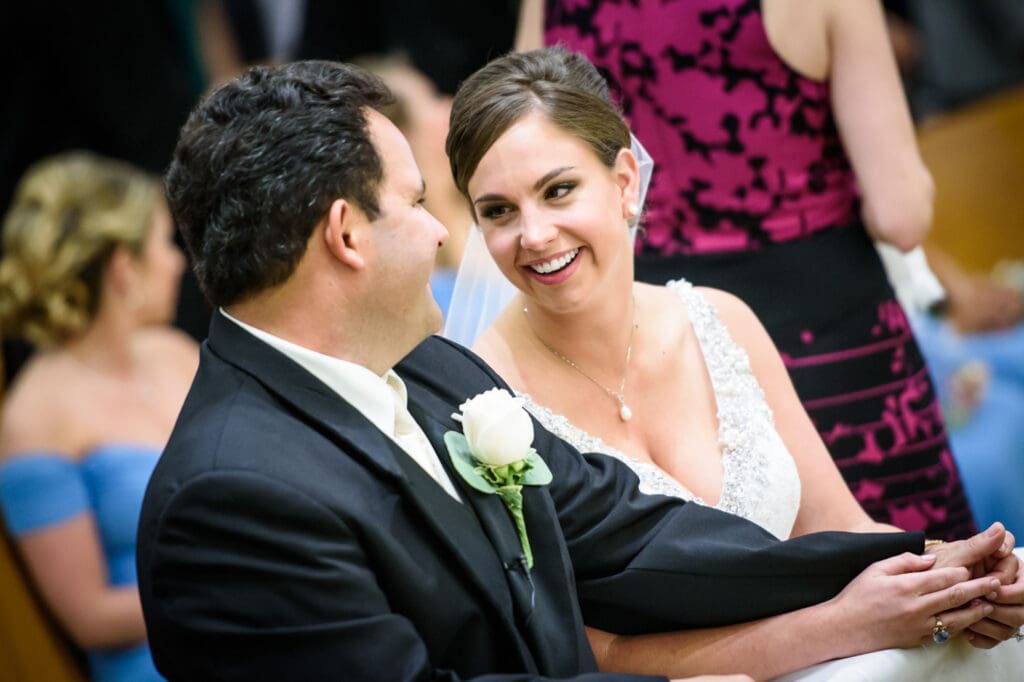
point(40, 489)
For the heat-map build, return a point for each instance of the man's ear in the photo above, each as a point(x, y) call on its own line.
point(341, 231)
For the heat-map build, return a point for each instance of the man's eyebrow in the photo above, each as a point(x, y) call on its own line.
point(545, 179)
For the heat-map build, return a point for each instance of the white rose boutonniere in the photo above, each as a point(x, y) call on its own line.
point(495, 455)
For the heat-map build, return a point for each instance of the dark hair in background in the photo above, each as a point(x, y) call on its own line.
point(445, 39)
point(258, 164)
point(562, 85)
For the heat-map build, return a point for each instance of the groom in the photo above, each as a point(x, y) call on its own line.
point(305, 520)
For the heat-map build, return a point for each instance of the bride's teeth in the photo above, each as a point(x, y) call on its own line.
point(556, 264)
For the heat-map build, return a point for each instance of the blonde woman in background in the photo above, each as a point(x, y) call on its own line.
point(90, 277)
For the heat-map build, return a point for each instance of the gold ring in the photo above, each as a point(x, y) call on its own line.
point(940, 635)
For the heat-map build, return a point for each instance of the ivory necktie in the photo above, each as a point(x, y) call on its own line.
point(413, 441)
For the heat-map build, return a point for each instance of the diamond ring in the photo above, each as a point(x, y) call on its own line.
point(940, 635)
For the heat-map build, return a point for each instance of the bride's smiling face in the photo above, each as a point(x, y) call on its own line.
point(553, 215)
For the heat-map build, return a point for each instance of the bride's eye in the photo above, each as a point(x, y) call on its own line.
point(559, 190)
point(494, 212)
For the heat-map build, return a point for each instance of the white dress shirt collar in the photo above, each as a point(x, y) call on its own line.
point(382, 400)
point(357, 385)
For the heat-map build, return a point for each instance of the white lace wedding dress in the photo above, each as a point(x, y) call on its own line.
point(759, 479)
point(761, 483)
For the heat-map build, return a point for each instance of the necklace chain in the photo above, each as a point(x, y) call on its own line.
point(625, 414)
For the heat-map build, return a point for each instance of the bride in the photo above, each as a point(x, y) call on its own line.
point(681, 383)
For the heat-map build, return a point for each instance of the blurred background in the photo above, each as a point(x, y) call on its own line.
point(119, 77)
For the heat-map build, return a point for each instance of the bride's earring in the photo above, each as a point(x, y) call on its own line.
point(632, 215)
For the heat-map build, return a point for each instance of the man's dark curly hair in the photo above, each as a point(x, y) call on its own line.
point(258, 164)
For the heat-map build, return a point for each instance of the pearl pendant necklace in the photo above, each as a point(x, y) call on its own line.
point(625, 414)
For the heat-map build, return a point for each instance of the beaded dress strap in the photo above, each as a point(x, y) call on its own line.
point(744, 418)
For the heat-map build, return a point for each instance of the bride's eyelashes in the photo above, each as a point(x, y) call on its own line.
point(494, 212)
point(499, 212)
point(559, 190)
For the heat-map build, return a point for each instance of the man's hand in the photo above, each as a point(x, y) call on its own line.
point(902, 596)
point(716, 678)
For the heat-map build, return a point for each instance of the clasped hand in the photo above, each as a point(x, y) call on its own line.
point(989, 555)
point(975, 586)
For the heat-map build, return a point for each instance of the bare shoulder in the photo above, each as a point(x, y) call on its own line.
point(729, 307)
point(835, 12)
point(792, 19)
point(853, 23)
point(173, 346)
point(497, 346)
point(661, 303)
point(798, 33)
point(743, 325)
point(664, 329)
point(168, 340)
point(35, 414)
point(654, 294)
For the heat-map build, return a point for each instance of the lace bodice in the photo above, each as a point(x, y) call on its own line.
point(759, 478)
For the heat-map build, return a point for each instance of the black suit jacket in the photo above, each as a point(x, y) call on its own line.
point(283, 537)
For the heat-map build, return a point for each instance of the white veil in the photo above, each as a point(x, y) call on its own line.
point(481, 291)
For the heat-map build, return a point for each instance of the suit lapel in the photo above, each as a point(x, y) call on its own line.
point(454, 523)
point(323, 409)
point(490, 510)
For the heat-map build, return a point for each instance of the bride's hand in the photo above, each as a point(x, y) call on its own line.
point(716, 678)
point(1007, 615)
point(895, 602)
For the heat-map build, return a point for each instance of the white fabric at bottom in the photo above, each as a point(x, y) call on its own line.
point(954, 661)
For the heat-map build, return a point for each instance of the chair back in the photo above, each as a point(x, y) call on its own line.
point(32, 646)
point(976, 156)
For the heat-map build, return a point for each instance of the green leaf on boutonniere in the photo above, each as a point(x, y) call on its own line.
point(506, 480)
point(538, 473)
point(465, 463)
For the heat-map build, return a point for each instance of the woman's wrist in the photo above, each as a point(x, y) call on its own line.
point(835, 615)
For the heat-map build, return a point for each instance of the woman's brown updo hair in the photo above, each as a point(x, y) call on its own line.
point(562, 85)
point(69, 213)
